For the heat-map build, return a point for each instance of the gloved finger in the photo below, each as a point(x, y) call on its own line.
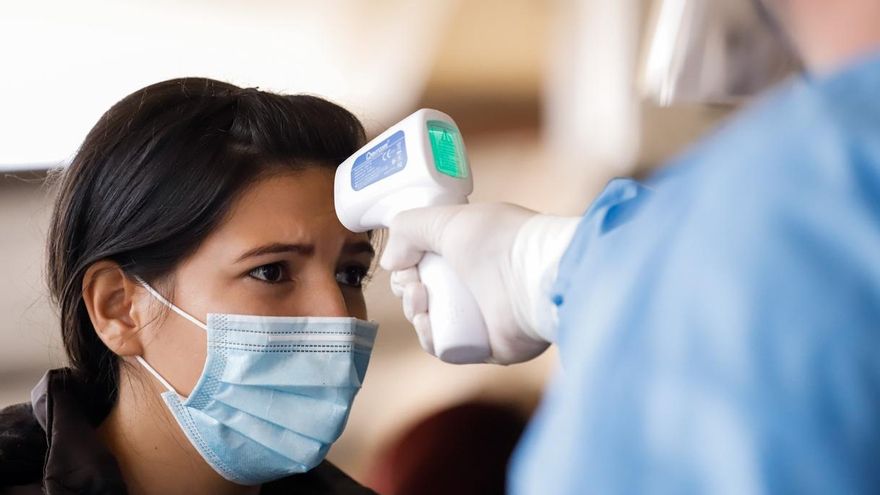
point(415, 300)
point(423, 329)
point(413, 232)
point(400, 278)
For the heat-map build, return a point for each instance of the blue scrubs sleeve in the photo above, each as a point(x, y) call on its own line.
point(720, 324)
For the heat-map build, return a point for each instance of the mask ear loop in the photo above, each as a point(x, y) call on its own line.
point(171, 305)
point(177, 310)
point(156, 374)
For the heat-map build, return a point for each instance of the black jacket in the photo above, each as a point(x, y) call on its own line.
point(51, 446)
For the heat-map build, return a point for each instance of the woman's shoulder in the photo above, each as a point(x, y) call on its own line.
point(22, 446)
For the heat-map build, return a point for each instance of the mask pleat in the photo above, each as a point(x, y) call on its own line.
point(289, 368)
point(320, 419)
point(296, 449)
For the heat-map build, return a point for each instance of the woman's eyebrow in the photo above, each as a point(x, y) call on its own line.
point(359, 247)
point(275, 248)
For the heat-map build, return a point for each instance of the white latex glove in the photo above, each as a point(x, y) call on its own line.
point(506, 255)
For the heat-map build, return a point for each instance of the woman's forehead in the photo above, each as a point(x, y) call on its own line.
point(296, 192)
point(289, 207)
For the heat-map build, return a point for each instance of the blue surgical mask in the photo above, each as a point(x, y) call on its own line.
point(275, 392)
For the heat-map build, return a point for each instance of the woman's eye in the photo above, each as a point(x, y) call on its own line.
point(353, 276)
point(272, 273)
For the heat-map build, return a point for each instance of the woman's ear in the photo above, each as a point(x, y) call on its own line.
point(109, 298)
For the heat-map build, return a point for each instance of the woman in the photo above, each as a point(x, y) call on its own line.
point(192, 232)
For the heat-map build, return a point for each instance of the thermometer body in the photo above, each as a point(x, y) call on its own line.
point(418, 162)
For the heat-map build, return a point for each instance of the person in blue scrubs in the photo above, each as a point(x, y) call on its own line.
point(718, 324)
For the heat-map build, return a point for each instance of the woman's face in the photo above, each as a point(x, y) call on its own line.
point(280, 252)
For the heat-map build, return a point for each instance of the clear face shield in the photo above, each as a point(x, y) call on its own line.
point(712, 52)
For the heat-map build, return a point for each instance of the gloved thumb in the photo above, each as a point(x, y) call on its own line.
point(413, 232)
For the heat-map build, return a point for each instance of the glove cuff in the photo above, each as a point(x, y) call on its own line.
point(537, 250)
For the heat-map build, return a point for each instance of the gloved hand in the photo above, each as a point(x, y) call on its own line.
point(505, 254)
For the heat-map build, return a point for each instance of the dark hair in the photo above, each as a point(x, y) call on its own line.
point(159, 171)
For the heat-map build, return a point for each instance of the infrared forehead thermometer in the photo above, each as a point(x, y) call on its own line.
point(418, 162)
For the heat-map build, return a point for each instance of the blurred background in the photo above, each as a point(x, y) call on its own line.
point(546, 93)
